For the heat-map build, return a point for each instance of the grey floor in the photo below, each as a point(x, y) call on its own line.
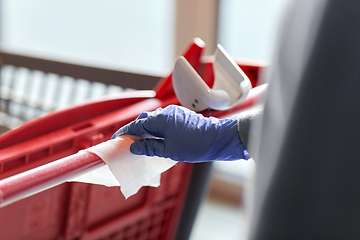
point(217, 220)
point(220, 220)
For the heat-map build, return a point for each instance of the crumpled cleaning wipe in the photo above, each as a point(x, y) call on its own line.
point(124, 169)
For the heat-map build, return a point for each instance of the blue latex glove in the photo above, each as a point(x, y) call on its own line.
point(185, 136)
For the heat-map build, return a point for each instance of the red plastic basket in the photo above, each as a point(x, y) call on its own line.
point(86, 211)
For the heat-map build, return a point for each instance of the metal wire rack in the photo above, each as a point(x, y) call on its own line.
point(31, 87)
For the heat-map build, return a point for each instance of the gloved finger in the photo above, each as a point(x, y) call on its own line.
point(147, 114)
point(132, 128)
point(142, 127)
point(135, 127)
point(150, 147)
point(142, 115)
point(124, 130)
point(116, 134)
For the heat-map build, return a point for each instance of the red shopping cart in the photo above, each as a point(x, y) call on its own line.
point(61, 210)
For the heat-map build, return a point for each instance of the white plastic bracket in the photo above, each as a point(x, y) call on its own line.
point(231, 85)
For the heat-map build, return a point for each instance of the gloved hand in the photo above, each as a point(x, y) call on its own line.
point(185, 136)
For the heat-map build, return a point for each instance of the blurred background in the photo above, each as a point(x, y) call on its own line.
point(143, 37)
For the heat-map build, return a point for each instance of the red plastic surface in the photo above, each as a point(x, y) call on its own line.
point(85, 211)
point(36, 180)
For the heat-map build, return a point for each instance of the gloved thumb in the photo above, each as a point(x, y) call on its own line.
point(149, 147)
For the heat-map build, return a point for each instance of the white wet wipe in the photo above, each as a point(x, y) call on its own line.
point(124, 169)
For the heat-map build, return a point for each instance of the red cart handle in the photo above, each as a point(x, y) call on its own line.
point(28, 183)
